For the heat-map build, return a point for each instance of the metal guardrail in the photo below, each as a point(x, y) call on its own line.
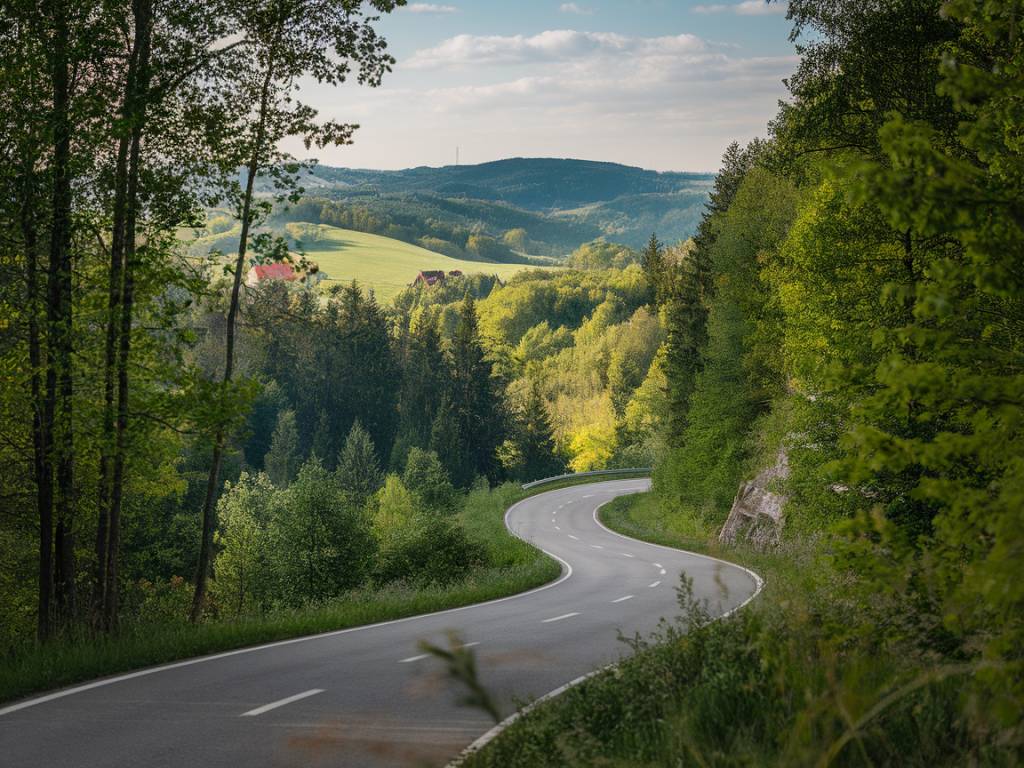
point(593, 473)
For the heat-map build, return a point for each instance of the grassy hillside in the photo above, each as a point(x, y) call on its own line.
point(381, 263)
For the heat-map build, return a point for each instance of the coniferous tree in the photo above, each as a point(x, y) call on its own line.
point(688, 285)
point(321, 444)
point(536, 436)
point(426, 476)
point(425, 378)
point(358, 471)
point(686, 335)
point(446, 441)
point(282, 460)
point(652, 259)
point(261, 422)
point(356, 372)
point(475, 402)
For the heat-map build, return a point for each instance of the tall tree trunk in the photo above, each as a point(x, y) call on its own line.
point(59, 375)
point(213, 481)
point(144, 27)
point(42, 468)
point(135, 110)
point(109, 368)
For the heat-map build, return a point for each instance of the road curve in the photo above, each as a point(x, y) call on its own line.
point(367, 696)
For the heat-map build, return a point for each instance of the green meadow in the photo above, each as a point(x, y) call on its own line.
point(381, 263)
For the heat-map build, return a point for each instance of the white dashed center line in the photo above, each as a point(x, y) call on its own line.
point(559, 618)
point(423, 656)
point(654, 584)
point(557, 528)
point(577, 538)
point(596, 546)
point(282, 702)
point(625, 554)
point(622, 599)
point(414, 658)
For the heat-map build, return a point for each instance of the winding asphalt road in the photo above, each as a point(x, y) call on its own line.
point(367, 696)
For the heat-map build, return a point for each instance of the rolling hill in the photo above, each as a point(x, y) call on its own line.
point(536, 184)
point(381, 263)
point(531, 206)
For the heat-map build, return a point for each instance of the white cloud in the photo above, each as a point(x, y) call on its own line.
point(431, 8)
point(575, 8)
point(591, 79)
point(744, 8)
point(760, 8)
point(551, 45)
point(660, 102)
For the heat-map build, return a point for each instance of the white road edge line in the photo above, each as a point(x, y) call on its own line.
point(493, 733)
point(623, 599)
point(566, 575)
point(655, 583)
point(559, 618)
point(282, 702)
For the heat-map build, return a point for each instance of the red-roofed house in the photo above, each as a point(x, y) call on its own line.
point(432, 277)
point(261, 273)
point(429, 277)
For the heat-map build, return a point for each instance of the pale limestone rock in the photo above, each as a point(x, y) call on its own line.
point(757, 512)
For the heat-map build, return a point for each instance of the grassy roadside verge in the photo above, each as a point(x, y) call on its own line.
point(514, 566)
point(794, 679)
point(641, 517)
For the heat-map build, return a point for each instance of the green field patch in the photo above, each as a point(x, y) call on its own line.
point(381, 263)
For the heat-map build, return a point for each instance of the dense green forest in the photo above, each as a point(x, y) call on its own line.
point(191, 463)
point(535, 184)
point(852, 320)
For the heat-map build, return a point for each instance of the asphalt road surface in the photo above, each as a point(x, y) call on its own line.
point(368, 696)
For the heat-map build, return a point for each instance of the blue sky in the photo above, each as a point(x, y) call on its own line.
point(663, 84)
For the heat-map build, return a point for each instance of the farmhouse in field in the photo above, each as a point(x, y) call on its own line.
point(432, 277)
point(259, 274)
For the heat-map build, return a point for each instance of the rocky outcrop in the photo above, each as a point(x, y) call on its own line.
point(757, 512)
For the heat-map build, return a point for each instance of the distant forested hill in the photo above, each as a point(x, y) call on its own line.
point(538, 184)
point(529, 206)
